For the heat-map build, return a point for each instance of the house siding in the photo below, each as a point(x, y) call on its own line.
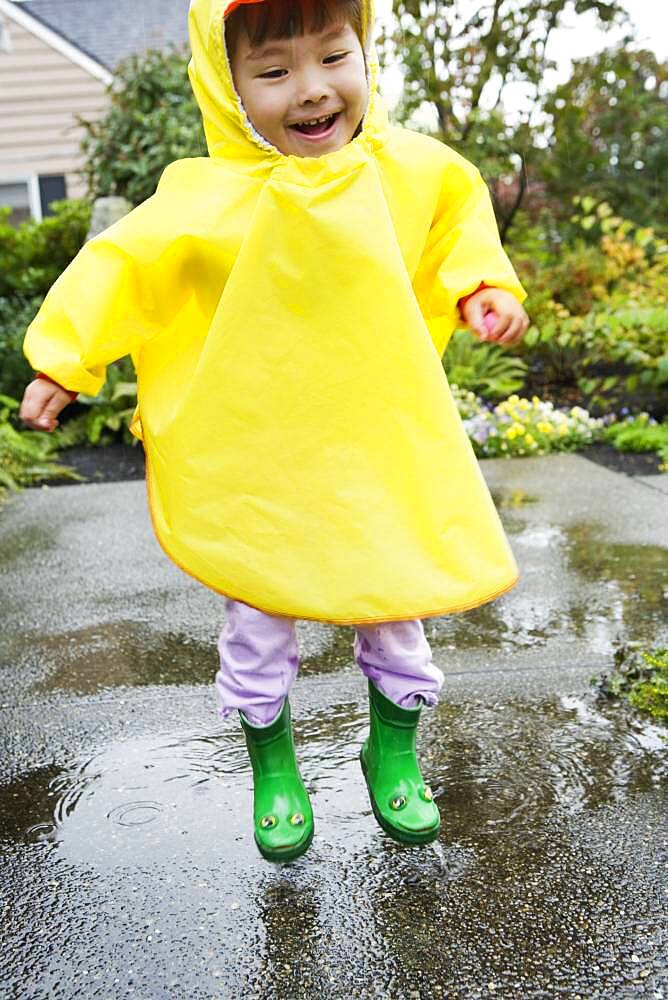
point(41, 94)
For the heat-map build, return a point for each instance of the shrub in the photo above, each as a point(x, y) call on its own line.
point(153, 119)
point(641, 677)
point(32, 256)
point(640, 433)
point(484, 368)
point(16, 314)
point(600, 312)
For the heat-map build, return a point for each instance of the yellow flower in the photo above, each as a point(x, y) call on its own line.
point(535, 400)
point(563, 430)
point(510, 433)
point(524, 404)
point(544, 427)
point(530, 440)
point(518, 428)
point(513, 399)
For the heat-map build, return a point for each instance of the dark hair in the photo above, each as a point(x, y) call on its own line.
point(278, 19)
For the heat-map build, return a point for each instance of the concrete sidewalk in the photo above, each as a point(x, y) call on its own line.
point(130, 868)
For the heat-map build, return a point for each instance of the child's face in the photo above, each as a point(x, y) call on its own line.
point(286, 83)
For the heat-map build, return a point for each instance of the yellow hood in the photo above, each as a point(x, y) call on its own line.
point(229, 133)
point(286, 317)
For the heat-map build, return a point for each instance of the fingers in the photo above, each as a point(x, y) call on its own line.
point(516, 330)
point(42, 402)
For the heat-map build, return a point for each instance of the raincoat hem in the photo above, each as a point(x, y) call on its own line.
point(408, 616)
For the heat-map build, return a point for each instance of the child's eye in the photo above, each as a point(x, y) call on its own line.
point(272, 74)
point(335, 58)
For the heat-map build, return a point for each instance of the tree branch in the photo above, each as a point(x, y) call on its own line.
point(521, 190)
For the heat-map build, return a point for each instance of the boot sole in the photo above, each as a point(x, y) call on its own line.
point(399, 834)
point(286, 853)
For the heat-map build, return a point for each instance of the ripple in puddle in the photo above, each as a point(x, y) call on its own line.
point(495, 770)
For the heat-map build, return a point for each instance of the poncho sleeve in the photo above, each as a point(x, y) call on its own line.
point(118, 291)
point(463, 251)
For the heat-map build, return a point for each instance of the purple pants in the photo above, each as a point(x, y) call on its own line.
point(259, 659)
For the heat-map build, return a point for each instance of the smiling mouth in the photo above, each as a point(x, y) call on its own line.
point(316, 126)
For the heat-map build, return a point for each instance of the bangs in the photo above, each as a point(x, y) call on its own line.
point(277, 20)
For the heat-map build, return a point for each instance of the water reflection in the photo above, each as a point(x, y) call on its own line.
point(495, 770)
point(508, 889)
point(120, 654)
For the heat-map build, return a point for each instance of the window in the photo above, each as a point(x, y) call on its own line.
point(51, 188)
point(16, 196)
point(31, 197)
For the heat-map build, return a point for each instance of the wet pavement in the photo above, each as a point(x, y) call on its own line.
point(129, 868)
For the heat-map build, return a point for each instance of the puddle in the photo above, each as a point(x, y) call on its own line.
point(117, 654)
point(495, 769)
point(573, 584)
point(153, 832)
point(631, 581)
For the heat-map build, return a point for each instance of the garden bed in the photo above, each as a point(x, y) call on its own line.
point(112, 463)
point(118, 462)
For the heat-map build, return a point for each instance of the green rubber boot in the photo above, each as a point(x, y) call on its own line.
point(281, 807)
point(401, 801)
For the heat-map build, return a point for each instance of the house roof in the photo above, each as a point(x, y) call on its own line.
point(110, 30)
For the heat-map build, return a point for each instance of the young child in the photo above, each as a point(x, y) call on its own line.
point(286, 302)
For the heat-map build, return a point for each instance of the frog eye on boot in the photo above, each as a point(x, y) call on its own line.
point(267, 822)
point(427, 794)
point(398, 802)
point(297, 819)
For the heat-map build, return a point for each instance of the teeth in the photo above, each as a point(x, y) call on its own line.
point(315, 121)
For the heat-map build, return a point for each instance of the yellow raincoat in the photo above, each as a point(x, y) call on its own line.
point(286, 317)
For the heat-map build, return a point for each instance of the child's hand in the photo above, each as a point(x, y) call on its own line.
point(42, 402)
point(510, 320)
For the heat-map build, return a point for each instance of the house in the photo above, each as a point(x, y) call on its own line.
point(57, 58)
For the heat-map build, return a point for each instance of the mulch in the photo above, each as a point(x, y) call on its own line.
point(119, 462)
point(112, 463)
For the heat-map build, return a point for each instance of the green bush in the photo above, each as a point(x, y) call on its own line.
point(641, 677)
point(599, 311)
point(16, 314)
point(153, 120)
point(32, 256)
point(640, 433)
point(483, 368)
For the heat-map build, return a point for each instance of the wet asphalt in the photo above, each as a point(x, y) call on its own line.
point(129, 868)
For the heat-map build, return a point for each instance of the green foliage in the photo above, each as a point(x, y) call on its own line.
point(483, 368)
point(609, 131)
point(640, 433)
point(640, 677)
point(460, 59)
point(16, 314)
point(34, 254)
point(153, 120)
point(599, 310)
point(107, 416)
point(26, 457)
